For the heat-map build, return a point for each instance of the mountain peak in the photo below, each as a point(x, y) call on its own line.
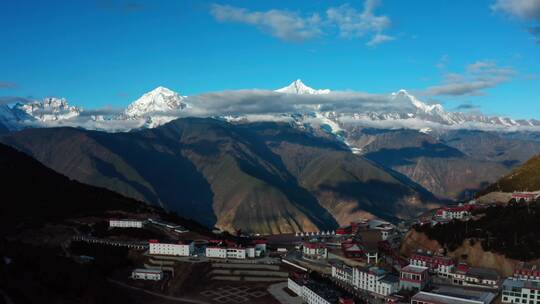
point(162, 90)
point(298, 87)
point(423, 107)
point(159, 100)
point(49, 109)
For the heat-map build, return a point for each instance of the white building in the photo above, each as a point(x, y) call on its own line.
point(520, 291)
point(374, 280)
point(464, 275)
point(523, 287)
point(125, 223)
point(315, 250)
point(147, 274)
point(343, 272)
point(438, 265)
point(178, 249)
point(230, 252)
point(313, 292)
point(455, 212)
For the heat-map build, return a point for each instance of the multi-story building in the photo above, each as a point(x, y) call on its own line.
point(521, 291)
point(413, 277)
point(455, 212)
point(527, 273)
point(232, 252)
point(523, 287)
point(475, 277)
point(438, 265)
point(125, 223)
point(147, 274)
point(374, 280)
point(315, 250)
point(525, 196)
point(174, 249)
point(343, 272)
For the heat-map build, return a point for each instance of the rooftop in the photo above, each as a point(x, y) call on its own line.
point(510, 283)
point(453, 295)
point(414, 269)
point(144, 270)
point(484, 273)
point(329, 293)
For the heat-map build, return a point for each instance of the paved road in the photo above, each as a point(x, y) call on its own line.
point(177, 299)
point(276, 290)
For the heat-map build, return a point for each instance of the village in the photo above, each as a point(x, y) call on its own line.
point(357, 263)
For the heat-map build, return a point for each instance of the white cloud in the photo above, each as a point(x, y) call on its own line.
point(524, 9)
point(378, 39)
point(291, 26)
point(281, 24)
point(477, 77)
point(264, 102)
point(353, 23)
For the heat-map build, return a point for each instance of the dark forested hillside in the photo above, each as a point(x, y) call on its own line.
point(34, 194)
point(512, 230)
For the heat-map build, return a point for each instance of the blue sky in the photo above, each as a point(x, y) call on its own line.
point(482, 54)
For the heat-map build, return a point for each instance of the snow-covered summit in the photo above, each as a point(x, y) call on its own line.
point(159, 100)
point(298, 87)
point(423, 107)
point(48, 109)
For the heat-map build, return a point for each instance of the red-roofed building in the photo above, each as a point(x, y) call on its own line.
point(525, 196)
point(455, 212)
point(527, 273)
point(475, 276)
point(439, 265)
point(343, 231)
point(353, 250)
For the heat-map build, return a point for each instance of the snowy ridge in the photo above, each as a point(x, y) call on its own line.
point(312, 111)
point(49, 109)
point(298, 87)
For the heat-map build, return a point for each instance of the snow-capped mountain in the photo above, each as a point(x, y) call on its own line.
point(49, 109)
point(160, 100)
point(298, 87)
point(328, 111)
point(157, 107)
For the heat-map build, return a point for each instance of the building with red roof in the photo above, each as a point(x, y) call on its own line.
point(438, 265)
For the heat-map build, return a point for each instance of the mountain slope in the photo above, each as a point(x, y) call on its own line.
point(35, 194)
point(444, 170)
point(524, 178)
point(254, 177)
point(347, 185)
point(3, 129)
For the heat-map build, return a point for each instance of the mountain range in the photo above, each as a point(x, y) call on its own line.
point(292, 159)
point(259, 177)
point(296, 103)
